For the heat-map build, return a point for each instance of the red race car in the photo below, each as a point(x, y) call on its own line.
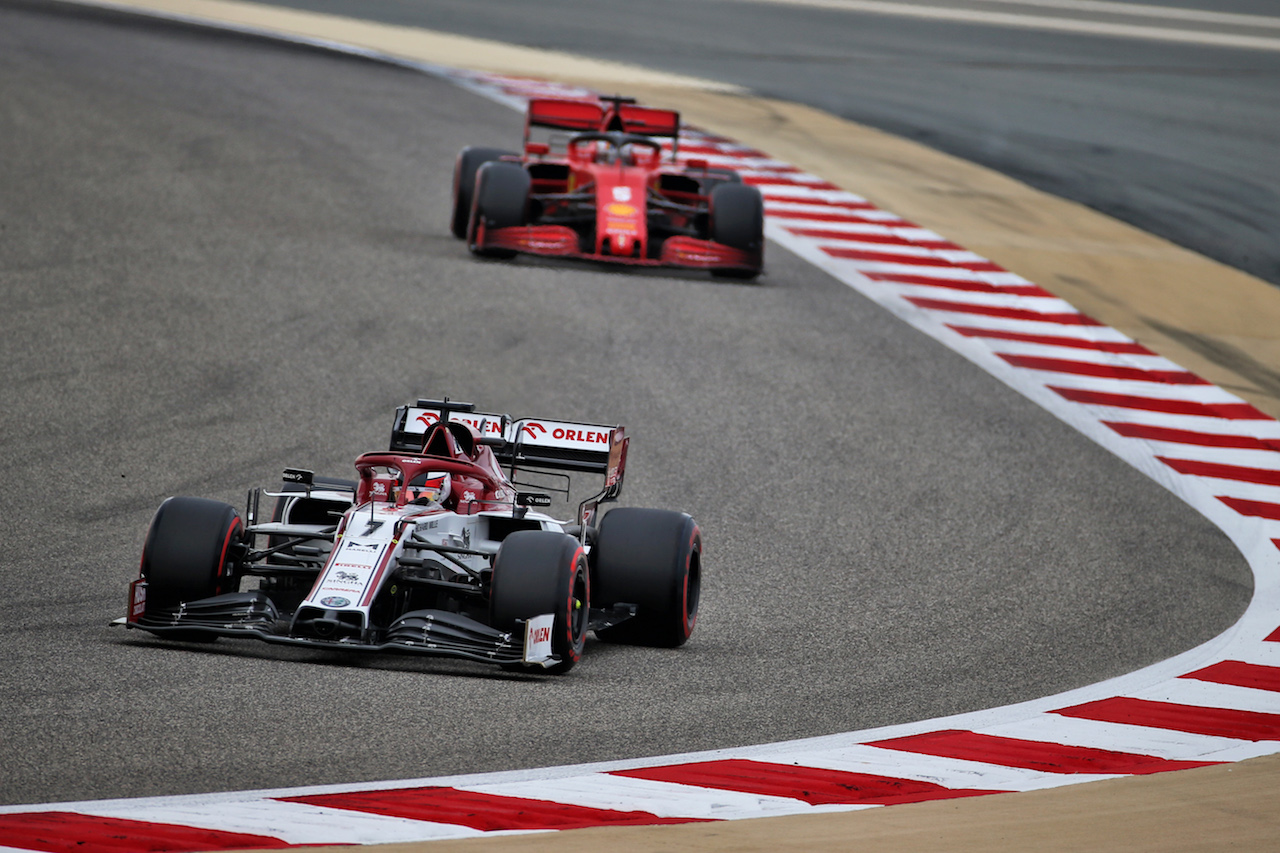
point(606, 185)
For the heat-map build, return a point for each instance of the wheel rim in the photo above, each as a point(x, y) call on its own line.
point(579, 607)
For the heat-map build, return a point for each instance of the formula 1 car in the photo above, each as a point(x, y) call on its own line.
point(433, 550)
point(603, 186)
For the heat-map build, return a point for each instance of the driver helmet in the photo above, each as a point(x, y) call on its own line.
point(431, 487)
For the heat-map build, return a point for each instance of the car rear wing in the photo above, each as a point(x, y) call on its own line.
point(561, 114)
point(612, 113)
point(648, 121)
point(528, 442)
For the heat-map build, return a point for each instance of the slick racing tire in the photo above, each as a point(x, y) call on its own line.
point(464, 183)
point(538, 572)
point(501, 201)
point(737, 220)
point(651, 558)
point(717, 177)
point(190, 552)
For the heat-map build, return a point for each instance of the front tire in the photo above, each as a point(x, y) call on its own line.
point(465, 167)
point(737, 220)
point(501, 201)
point(651, 558)
point(538, 572)
point(191, 552)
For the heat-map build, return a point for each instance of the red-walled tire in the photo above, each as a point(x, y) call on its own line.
point(191, 552)
point(538, 572)
point(651, 558)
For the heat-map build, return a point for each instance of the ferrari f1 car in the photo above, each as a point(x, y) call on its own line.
point(604, 186)
point(434, 549)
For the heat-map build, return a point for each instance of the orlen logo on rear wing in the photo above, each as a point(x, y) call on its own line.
point(529, 441)
point(530, 432)
point(568, 436)
point(571, 447)
point(417, 421)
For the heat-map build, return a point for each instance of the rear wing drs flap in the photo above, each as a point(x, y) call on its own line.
point(560, 114)
point(527, 442)
point(611, 113)
point(606, 114)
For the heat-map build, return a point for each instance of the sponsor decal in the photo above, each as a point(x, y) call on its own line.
point(482, 425)
point(364, 546)
point(622, 193)
point(624, 227)
point(346, 577)
point(620, 210)
point(617, 458)
point(138, 603)
point(537, 638)
point(529, 430)
point(588, 435)
point(335, 601)
point(533, 431)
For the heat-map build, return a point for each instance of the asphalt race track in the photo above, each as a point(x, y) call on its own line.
point(223, 256)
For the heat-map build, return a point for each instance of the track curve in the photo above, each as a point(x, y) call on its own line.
point(226, 256)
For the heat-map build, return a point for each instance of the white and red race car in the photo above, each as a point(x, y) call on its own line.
point(434, 549)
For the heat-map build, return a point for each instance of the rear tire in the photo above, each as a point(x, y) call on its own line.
point(737, 220)
point(465, 167)
point(537, 572)
point(651, 558)
point(717, 177)
point(190, 554)
point(501, 201)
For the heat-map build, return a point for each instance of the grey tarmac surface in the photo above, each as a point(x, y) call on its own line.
point(222, 257)
point(1179, 140)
